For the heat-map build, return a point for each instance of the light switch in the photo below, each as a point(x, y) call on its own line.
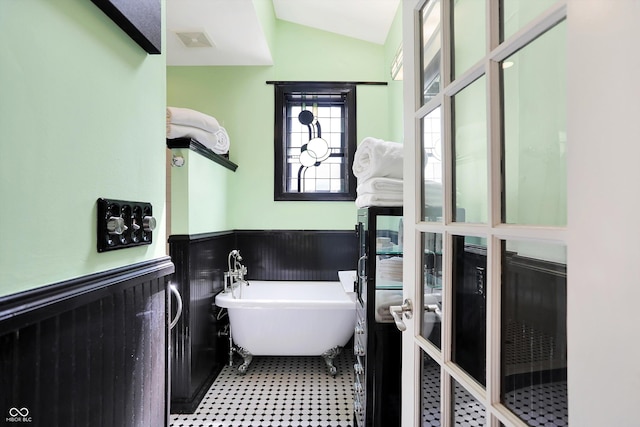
point(122, 224)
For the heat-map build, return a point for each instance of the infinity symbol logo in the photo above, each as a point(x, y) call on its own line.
point(14, 412)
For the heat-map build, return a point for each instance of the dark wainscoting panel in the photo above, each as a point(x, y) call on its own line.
point(297, 254)
point(88, 352)
point(470, 314)
point(534, 298)
point(198, 354)
point(538, 289)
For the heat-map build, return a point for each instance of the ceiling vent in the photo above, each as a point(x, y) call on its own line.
point(194, 39)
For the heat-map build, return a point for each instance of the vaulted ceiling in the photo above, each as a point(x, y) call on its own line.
point(233, 28)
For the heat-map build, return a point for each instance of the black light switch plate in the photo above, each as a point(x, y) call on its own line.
point(123, 224)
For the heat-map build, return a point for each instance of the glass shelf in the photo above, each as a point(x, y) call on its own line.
point(388, 285)
point(391, 250)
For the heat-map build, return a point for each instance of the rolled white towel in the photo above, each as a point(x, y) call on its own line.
point(375, 157)
point(381, 186)
point(193, 118)
point(215, 142)
point(370, 199)
point(223, 140)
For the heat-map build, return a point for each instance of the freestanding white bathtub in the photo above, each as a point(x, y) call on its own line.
point(289, 318)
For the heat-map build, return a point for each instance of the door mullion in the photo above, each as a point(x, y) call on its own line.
point(493, 338)
point(446, 403)
point(494, 159)
point(447, 214)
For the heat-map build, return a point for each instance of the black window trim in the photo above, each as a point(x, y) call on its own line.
point(281, 89)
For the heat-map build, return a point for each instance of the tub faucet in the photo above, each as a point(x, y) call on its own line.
point(234, 277)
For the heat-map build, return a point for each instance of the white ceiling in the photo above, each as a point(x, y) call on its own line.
point(235, 31)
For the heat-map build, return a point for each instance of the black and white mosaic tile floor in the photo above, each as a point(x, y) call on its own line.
point(298, 392)
point(542, 405)
point(278, 391)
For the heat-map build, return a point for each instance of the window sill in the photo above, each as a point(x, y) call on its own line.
point(197, 147)
point(314, 197)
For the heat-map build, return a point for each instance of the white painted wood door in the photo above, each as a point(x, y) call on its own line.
point(485, 105)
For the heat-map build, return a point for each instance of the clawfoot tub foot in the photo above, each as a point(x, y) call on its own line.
point(247, 358)
point(328, 357)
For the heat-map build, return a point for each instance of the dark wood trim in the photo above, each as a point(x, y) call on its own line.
point(247, 231)
point(195, 237)
point(537, 265)
point(21, 309)
point(199, 148)
point(142, 21)
point(276, 82)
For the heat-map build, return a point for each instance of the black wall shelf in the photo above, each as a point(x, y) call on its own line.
point(199, 148)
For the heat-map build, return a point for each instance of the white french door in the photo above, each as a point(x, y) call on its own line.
point(485, 213)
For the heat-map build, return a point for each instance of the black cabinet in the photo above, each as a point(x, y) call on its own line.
point(377, 341)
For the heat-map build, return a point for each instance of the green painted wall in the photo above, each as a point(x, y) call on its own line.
point(393, 42)
point(304, 53)
point(240, 100)
point(201, 181)
point(243, 103)
point(82, 117)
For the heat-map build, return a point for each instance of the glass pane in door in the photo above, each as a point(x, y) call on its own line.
point(430, 49)
point(534, 332)
point(432, 287)
point(429, 392)
point(469, 349)
point(535, 138)
point(470, 153)
point(515, 14)
point(469, 34)
point(432, 196)
point(467, 411)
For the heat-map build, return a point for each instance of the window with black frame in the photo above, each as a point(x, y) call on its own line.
point(315, 132)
